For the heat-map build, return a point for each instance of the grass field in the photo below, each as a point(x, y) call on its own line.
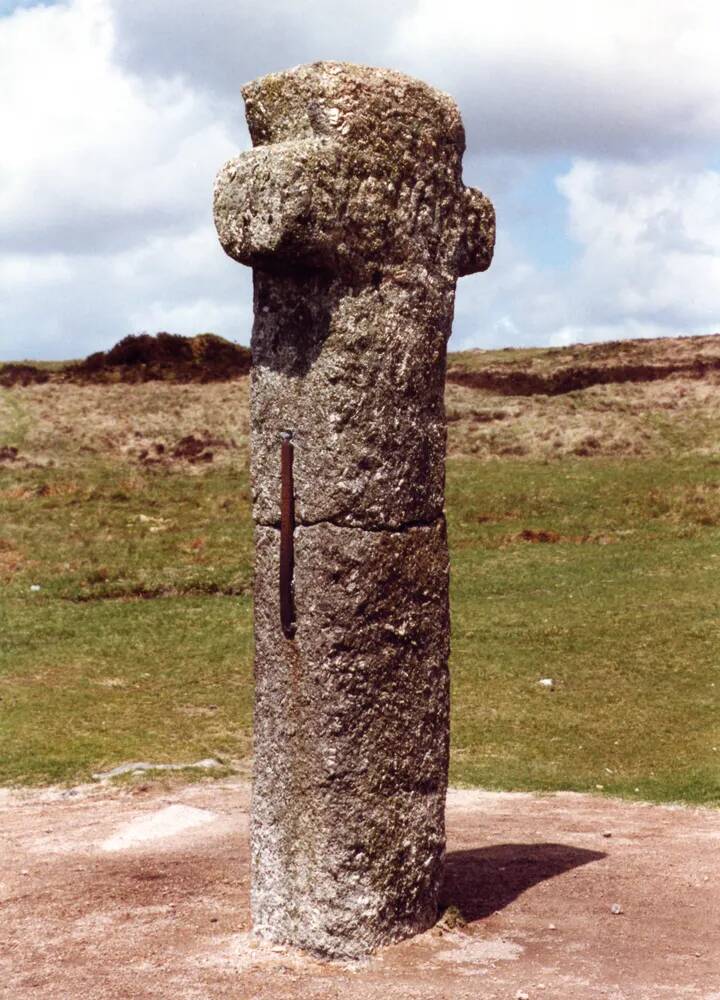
point(596, 565)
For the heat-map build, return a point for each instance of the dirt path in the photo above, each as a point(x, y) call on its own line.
point(110, 894)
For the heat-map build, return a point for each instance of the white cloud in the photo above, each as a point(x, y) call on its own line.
point(186, 285)
point(94, 158)
point(648, 263)
point(105, 193)
point(617, 78)
point(221, 44)
point(68, 306)
point(116, 115)
point(651, 239)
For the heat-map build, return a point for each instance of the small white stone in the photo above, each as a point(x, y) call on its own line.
point(34, 587)
point(546, 682)
point(617, 909)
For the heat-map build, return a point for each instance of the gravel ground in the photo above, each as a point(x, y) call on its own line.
point(143, 893)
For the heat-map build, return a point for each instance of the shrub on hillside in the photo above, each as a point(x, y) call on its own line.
point(165, 356)
point(21, 374)
point(144, 349)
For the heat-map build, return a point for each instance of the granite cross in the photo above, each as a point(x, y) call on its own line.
point(351, 211)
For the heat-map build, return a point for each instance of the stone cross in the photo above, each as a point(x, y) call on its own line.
point(351, 211)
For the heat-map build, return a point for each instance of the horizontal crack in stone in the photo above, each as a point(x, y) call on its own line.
point(408, 526)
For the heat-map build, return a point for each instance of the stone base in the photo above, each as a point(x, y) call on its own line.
point(351, 738)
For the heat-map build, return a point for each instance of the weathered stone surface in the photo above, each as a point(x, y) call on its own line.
point(352, 212)
point(351, 738)
point(354, 168)
point(358, 378)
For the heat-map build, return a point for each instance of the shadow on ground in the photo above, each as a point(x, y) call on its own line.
point(482, 881)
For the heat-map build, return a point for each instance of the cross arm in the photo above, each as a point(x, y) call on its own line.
point(477, 241)
point(278, 204)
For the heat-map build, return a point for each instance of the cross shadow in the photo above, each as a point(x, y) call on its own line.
point(480, 881)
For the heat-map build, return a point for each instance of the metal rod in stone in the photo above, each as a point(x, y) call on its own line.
point(287, 530)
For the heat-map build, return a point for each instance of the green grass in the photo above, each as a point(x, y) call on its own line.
point(138, 644)
point(87, 686)
point(108, 531)
point(626, 623)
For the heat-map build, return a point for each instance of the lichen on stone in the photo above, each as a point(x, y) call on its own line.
point(352, 213)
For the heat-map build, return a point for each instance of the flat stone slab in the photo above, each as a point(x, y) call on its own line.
point(538, 878)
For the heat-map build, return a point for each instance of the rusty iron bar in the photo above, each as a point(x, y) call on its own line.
point(287, 529)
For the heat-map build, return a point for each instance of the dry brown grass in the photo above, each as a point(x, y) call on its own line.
point(143, 424)
point(650, 418)
point(169, 424)
point(653, 351)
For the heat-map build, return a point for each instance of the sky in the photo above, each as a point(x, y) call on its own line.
point(593, 127)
